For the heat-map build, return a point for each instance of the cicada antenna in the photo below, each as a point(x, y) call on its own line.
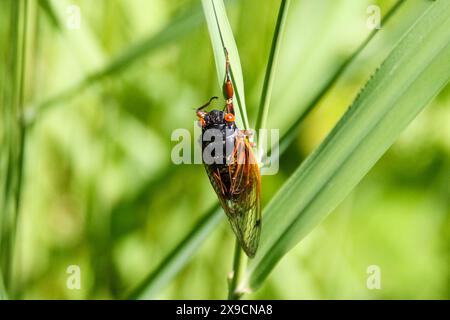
point(206, 104)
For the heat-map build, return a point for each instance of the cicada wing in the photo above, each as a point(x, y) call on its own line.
point(238, 186)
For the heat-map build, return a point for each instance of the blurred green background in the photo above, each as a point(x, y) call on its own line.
point(100, 190)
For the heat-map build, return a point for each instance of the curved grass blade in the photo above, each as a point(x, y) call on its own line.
point(47, 8)
point(222, 37)
point(411, 76)
point(222, 40)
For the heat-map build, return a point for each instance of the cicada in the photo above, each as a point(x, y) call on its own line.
point(232, 168)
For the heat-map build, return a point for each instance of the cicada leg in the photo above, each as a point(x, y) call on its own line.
point(228, 86)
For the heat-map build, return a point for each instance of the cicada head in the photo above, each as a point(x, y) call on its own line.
point(216, 119)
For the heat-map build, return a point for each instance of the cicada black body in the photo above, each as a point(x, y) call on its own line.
point(232, 169)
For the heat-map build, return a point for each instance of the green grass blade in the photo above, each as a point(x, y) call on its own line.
point(47, 8)
point(269, 77)
point(12, 57)
point(411, 76)
point(3, 295)
point(179, 257)
point(222, 36)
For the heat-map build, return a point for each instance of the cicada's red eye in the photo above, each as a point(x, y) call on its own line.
point(229, 117)
point(201, 114)
point(201, 118)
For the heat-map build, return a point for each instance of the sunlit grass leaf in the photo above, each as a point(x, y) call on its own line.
point(222, 37)
point(12, 134)
point(3, 294)
point(411, 76)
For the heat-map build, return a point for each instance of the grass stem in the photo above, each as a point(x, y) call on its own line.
point(237, 273)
